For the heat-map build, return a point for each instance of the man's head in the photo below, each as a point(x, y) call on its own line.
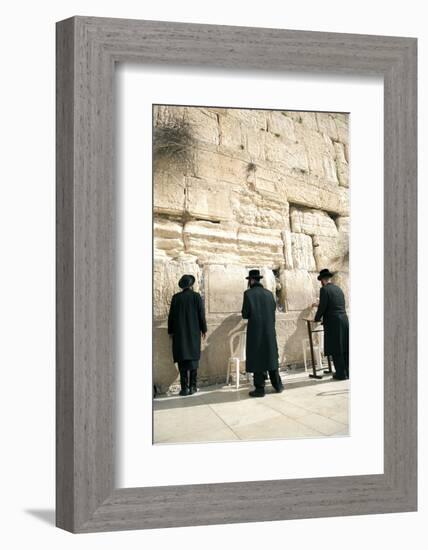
point(325, 276)
point(253, 277)
point(186, 281)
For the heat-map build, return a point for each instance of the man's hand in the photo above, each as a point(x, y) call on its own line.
point(315, 304)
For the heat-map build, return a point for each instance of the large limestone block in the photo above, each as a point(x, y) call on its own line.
point(256, 208)
point(331, 252)
point(168, 193)
point(291, 330)
point(255, 140)
point(309, 120)
point(323, 197)
point(341, 165)
point(210, 164)
point(203, 124)
point(303, 256)
point(343, 224)
point(327, 125)
point(290, 154)
point(269, 183)
point(288, 251)
point(260, 246)
point(166, 274)
point(166, 115)
point(297, 289)
point(342, 125)
point(251, 118)
point(281, 125)
point(211, 241)
point(223, 287)
point(312, 222)
point(230, 132)
point(208, 199)
point(165, 372)
point(341, 279)
point(168, 236)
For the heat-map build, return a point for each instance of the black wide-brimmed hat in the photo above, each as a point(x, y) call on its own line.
point(325, 274)
point(186, 281)
point(254, 274)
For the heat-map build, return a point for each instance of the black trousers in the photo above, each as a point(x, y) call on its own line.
point(259, 379)
point(341, 364)
point(188, 373)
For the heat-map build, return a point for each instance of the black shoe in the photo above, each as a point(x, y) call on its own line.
point(336, 377)
point(279, 389)
point(192, 390)
point(256, 393)
point(184, 392)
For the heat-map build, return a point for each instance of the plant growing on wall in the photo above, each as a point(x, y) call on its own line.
point(172, 142)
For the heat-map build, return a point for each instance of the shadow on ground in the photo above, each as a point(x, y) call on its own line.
point(43, 514)
point(206, 397)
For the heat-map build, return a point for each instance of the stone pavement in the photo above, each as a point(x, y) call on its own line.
point(306, 408)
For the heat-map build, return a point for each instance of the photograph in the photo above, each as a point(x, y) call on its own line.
point(251, 218)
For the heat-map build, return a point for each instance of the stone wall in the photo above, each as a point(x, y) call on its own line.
point(238, 189)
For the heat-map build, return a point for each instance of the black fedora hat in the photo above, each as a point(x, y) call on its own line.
point(186, 281)
point(254, 274)
point(325, 274)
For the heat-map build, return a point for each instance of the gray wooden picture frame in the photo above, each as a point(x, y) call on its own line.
point(87, 50)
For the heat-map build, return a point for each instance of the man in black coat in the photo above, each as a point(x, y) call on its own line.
point(186, 325)
point(262, 349)
point(332, 311)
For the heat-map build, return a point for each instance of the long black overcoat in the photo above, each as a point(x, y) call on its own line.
point(332, 311)
point(262, 349)
point(186, 322)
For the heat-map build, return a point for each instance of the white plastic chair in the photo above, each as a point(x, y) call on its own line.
point(237, 343)
point(317, 349)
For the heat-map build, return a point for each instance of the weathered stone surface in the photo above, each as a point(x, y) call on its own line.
point(281, 125)
point(169, 193)
point(327, 125)
point(291, 154)
point(211, 242)
point(297, 289)
point(226, 169)
point(257, 209)
point(342, 125)
point(288, 252)
point(208, 199)
point(257, 189)
point(203, 124)
point(230, 132)
point(342, 165)
point(312, 222)
point(301, 248)
point(342, 223)
point(331, 252)
point(260, 246)
point(168, 236)
point(166, 274)
point(223, 287)
point(321, 196)
point(341, 278)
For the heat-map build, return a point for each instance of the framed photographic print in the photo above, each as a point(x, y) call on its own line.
point(236, 235)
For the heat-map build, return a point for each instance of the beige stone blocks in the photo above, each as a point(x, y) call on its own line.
point(224, 287)
point(297, 289)
point(168, 192)
point(208, 199)
point(312, 222)
point(302, 252)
